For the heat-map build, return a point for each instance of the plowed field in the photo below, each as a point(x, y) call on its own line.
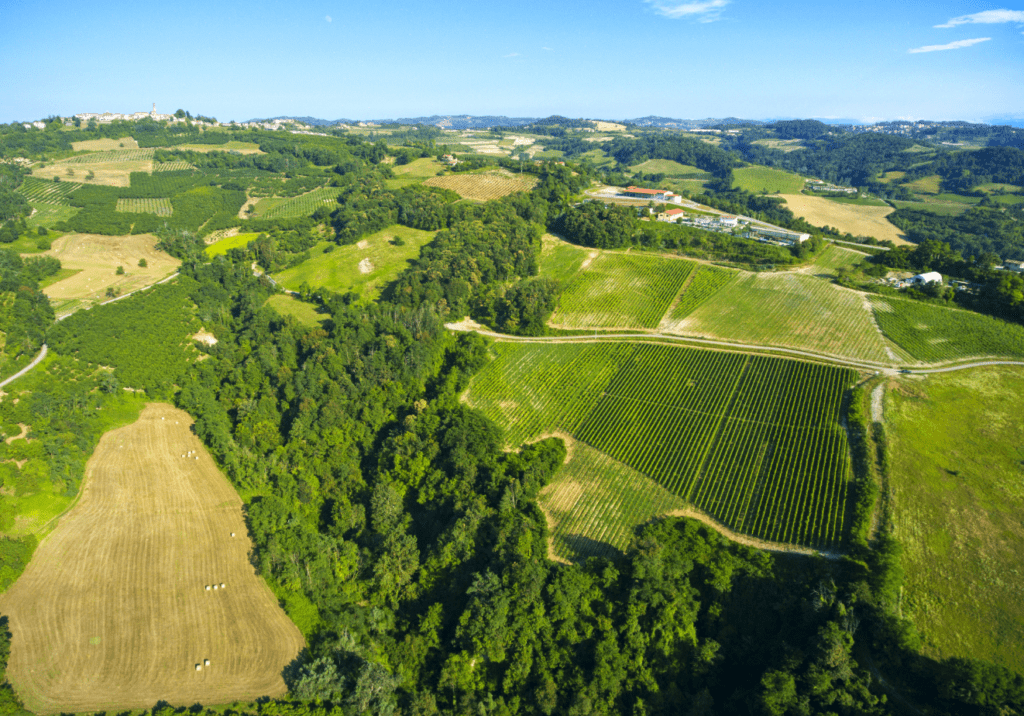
point(113, 612)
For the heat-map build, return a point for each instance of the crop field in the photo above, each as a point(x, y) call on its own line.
point(706, 282)
point(160, 207)
point(753, 441)
point(783, 145)
point(790, 310)
point(114, 611)
point(232, 146)
point(483, 187)
point(848, 218)
point(172, 166)
point(222, 246)
point(304, 313)
point(302, 205)
point(105, 173)
point(621, 291)
point(117, 155)
point(415, 172)
point(105, 145)
point(365, 267)
point(758, 179)
point(955, 455)
point(96, 259)
point(933, 207)
point(560, 260)
point(926, 185)
point(933, 334)
point(593, 504)
point(835, 257)
point(38, 191)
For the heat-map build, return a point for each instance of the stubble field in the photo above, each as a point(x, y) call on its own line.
point(483, 187)
point(857, 220)
point(113, 611)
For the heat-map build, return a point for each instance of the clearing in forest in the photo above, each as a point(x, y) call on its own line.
point(484, 187)
point(105, 145)
point(226, 243)
point(849, 218)
point(954, 450)
point(96, 258)
point(933, 334)
point(113, 612)
point(755, 442)
point(788, 310)
point(415, 172)
point(341, 268)
point(765, 180)
point(621, 291)
point(304, 313)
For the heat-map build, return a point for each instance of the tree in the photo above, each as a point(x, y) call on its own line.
point(120, 271)
point(142, 263)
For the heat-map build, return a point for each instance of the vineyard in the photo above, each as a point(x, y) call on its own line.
point(560, 260)
point(621, 291)
point(121, 155)
point(835, 258)
point(172, 166)
point(303, 205)
point(160, 207)
point(788, 310)
point(483, 187)
point(933, 333)
point(706, 282)
point(595, 503)
point(49, 214)
point(38, 191)
point(753, 441)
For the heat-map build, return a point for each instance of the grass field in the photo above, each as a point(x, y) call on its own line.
point(925, 185)
point(785, 145)
point(304, 313)
point(759, 180)
point(834, 258)
point(415, 172)
point(105, 145)
point(932, 333)
point(227, 243)
point(887, 177)
point(113, 613)
point(96, 258)
point(670, 168)
point(105, 173)
point(232, 146)
point(49, 215)
point(755, 442)
point(955, 450)
point(933, 207)
point(621, 291)
point(561, 260)
point(790, 310)
point(366, 267)
point(848, 218)
point(160, 207)
point(593, 504)
point(483, 187)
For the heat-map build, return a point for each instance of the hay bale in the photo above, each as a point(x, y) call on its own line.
point(232, 534)
point(215, 586)
point(199, 667)
point(222, 585)
point(207, 587)
point(206, 662)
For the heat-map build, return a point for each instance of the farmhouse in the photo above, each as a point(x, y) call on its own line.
point(790, 237)
point(923, 278)
point(1017, 266)
point(636, 192)
point(671, 215)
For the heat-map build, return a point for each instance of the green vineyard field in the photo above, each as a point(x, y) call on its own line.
point(172, 166)
point(38, 191)
point(933, 333)
point(706, 282)
point(120, 155)
point(160, 207)
point(304, 204)
point(621, 291)
point(755, 442)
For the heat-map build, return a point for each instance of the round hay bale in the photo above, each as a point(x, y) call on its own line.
point(206, 662)
point(222, 585)
point(232, 534)
point(199, 667)
point(215, 586)
point(207, 587)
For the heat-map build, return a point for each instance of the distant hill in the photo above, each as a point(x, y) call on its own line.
point(670, 123)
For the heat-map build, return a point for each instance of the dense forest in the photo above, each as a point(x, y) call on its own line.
point(26, 314)
point(398, 530)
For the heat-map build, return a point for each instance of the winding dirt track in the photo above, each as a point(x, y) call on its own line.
point(113, 613)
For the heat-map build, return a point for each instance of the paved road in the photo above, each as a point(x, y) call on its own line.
point(35, 361)
point(838, 360)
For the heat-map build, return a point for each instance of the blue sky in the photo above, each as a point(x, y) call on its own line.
point(866, 60)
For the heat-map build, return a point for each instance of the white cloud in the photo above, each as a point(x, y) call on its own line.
point(511, 54)
point(951, 46)
point(547, 48)
point(702, 10)
point(328, 18)
point(988, 17)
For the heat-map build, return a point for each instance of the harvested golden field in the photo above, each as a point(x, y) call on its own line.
point(113, 611)
point(483, 187)
point(105, 145)
point(857, 220)
point(103, 173)
point(96, 259)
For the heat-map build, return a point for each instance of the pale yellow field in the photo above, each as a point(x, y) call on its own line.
point(113, 611)
point(104, 173)
point(483, 187)
point(105, 145)
point(857, 220)
point(609, 126)
point(96, 258)
point(232, 146)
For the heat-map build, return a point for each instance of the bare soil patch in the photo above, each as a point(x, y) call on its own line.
point(22, 436)
point(365, 266)
point(113, 612)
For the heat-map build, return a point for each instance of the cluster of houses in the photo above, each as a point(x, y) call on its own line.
point(108, 117)
point(920, 280)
